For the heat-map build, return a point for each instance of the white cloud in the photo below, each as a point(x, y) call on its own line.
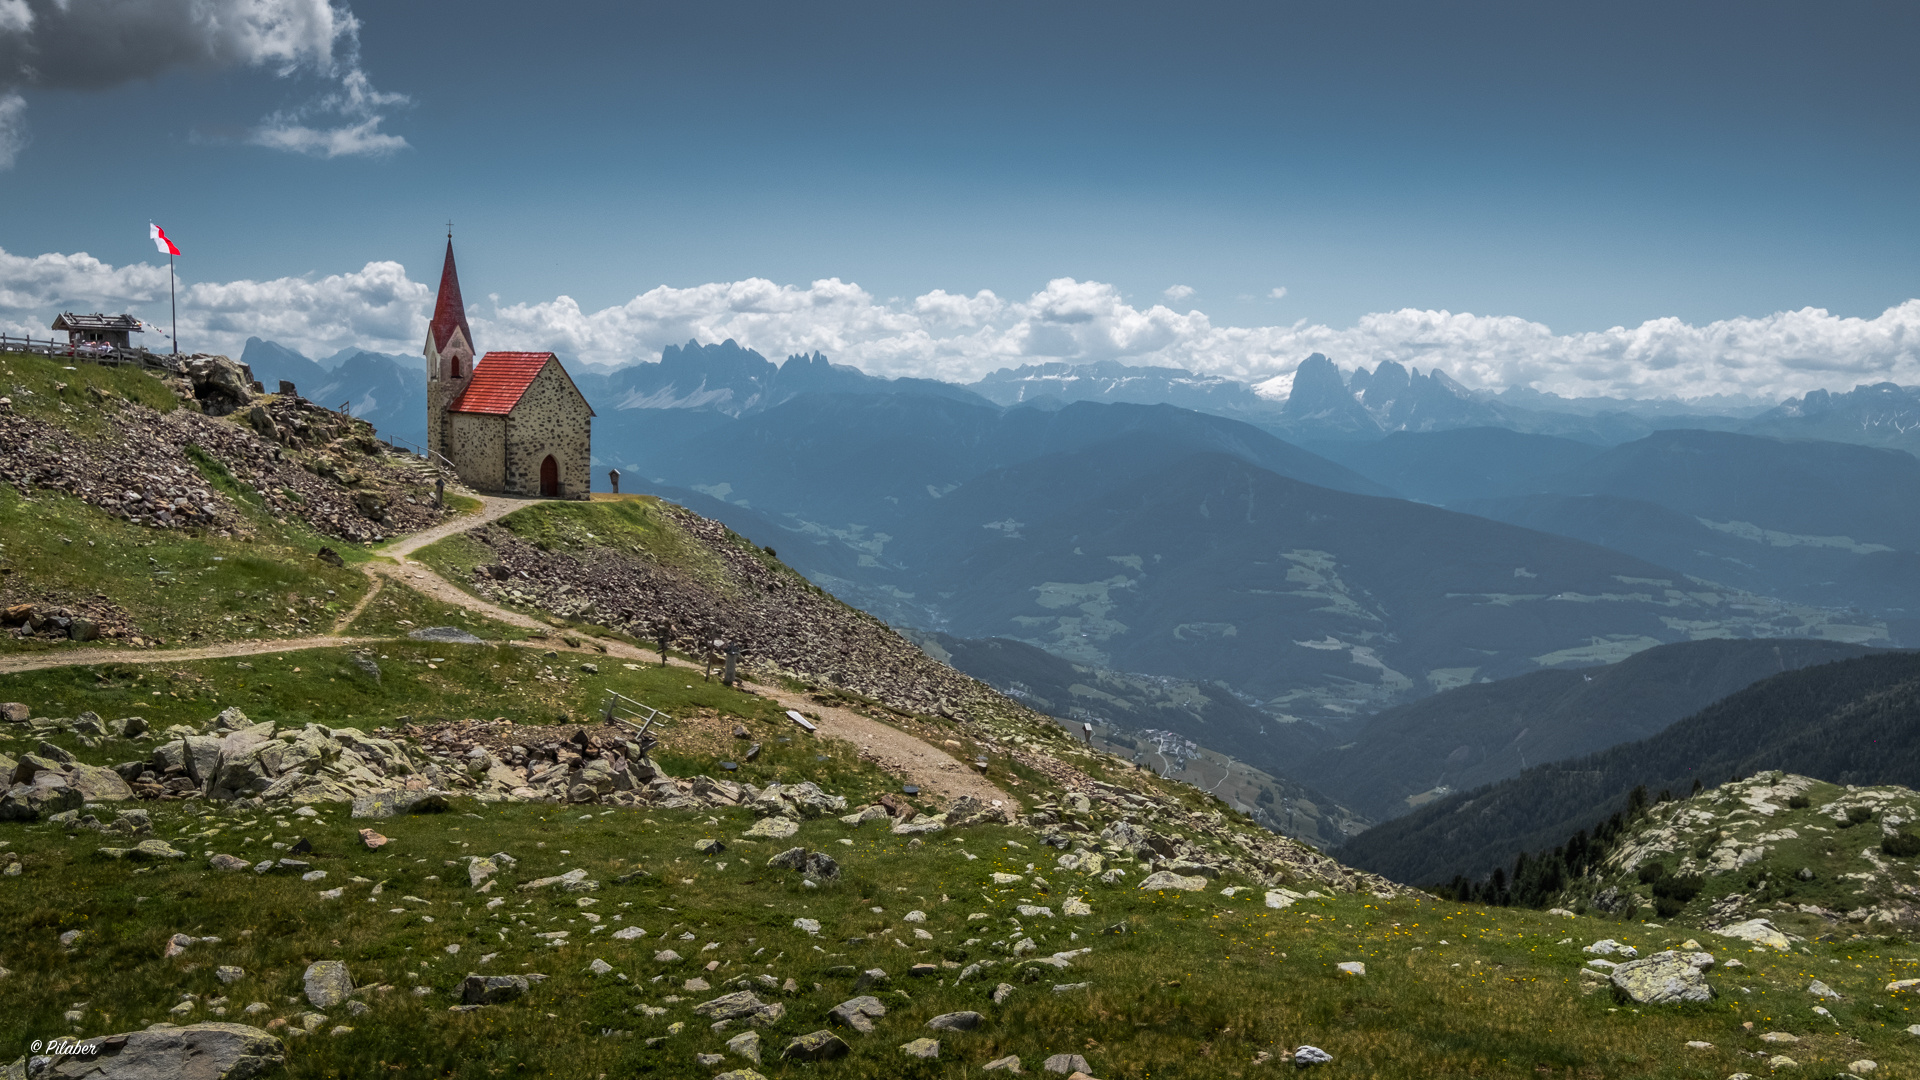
point(15, 17)
point(13, 128)
point(959, 337)
point(377, 307)
point(1279, 292)
point(1179, 292)
point(281, 132)
point(96, 44)
point(356, 102)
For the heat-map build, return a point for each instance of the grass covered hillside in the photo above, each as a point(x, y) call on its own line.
point(623, 958)
point(126, 507)
point(1851, 721)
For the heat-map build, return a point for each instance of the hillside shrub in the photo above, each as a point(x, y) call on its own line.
point(1901, 845)
point(1799, 802)
point(1652, 871)
point(1672, 894)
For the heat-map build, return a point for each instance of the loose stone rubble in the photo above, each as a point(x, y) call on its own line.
point(297, 459)
point(409, 770)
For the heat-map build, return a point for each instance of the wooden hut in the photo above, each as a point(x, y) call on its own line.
point(114, 330)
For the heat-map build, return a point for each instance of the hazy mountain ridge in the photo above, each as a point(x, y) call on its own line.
point(1877, 414)
point(735, 381)
point(1141, 717)
point(1827, 523)
point(388, 391)
point(1112, 381)
point(1459, 739)
point(1846, 722)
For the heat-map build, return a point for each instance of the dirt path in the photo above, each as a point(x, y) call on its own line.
point(492, 508)
point(373, 589)
point(912, 759)
point(81, 657)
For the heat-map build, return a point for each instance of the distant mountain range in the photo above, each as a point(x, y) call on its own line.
point(1319, 402)
point(388, 391)
point(1824, 523)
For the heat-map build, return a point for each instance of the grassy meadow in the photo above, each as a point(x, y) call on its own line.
point(1176, 984)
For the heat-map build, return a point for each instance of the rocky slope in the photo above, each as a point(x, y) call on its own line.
point(724, 589)
point(179, 466)
point(1812, 860)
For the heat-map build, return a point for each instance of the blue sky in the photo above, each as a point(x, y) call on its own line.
point(1579, 168)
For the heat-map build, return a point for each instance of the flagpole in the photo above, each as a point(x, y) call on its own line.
point(173, 305)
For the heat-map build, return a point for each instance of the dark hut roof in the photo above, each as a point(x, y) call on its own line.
point(97, 321)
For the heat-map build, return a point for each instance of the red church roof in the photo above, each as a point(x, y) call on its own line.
point(449, 311)
point(499, 381)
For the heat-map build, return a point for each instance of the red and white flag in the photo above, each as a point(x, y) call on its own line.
point(159, 237)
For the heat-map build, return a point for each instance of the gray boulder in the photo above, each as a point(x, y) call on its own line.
point(327, 983)
point(46, 794)
point(155, 851)
point(742, 1004)
point(816, 1046)
point(220, 384)
point(1163, 879)
point(790, 859)
point(858, 1013)
point(1065, 1064)
point(213, 1051)
point(955, 1021)
point(492, 989)
point(98, 785)
point(1664, 978)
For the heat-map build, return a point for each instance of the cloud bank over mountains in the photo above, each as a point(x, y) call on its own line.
point(960, 337)
point(98, 44)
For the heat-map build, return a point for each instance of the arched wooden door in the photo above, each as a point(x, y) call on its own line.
point(549, 478)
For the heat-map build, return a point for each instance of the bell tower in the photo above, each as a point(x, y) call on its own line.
point(449, 352)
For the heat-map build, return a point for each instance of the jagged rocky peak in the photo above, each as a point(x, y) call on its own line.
point(1328, 403)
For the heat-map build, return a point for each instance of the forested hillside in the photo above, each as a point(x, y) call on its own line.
point(1481, 733)
point(1848, 722)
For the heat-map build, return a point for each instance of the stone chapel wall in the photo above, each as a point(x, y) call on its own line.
point(476, 444)
point(551, 418)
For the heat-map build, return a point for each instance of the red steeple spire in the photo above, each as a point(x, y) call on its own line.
point(449, 312)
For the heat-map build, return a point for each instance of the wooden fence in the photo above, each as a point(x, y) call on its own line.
point(91, 352)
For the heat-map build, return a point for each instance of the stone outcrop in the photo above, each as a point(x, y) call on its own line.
point(214, 1051)
point(492, 989)
point(1665, 978)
